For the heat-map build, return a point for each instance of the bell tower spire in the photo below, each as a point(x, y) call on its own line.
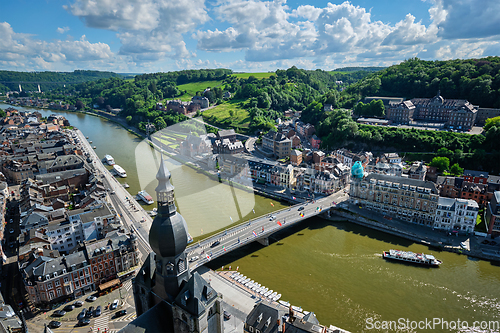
point(165, 191)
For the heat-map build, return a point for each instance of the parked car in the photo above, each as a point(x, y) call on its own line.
point(91, 298)
point(214, 244)
point(54, 324)
point(114, 305)
point(58, 313)
point(97, 311)
point(90, 312)
point(11, 231)
point(69, 307)
point(227, 315)
point(83, 322)
point(82, 314)
point(121, 313)
point(78, 304)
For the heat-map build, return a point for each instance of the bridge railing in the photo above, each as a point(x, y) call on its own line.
point(224, 232)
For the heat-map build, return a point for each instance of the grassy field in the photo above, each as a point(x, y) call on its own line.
point(193, 87)
point(240, 117)
point(263, 75)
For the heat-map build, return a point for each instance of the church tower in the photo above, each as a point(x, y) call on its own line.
point(168, 238)
point(168, 298)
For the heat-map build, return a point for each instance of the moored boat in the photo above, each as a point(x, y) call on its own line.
point(109, 159)
point(144, 196)
point(119, 171)
point(412, 258)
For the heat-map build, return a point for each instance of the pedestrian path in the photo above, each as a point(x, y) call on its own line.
point(129, 317)
point(100, 324)
point(128, 285)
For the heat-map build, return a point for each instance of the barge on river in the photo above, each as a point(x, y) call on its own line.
point(412, 258)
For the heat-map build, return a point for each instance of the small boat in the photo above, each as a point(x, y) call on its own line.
point(125, 185)
point(277, 297)
point(94, 147)
point(284, 303)
point(119, 171)
point(297, 308)
point(412, 258)
point(154, 212)
point(144, 196)
point(110, 160)
point(90, 141)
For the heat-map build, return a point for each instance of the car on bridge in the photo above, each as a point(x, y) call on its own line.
point(214, 244)
point(192, 259)
point(272, 217)
point(300, 208)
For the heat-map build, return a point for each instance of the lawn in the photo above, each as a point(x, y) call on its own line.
point(193, 87)
point(263, 75)
point(240, 117)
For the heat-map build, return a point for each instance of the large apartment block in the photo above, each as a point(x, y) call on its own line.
point(410, 200)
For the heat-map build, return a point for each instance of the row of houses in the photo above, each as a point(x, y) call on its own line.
point(50, 277)
point(415, 201)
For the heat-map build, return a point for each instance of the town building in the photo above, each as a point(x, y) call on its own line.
point(202, 101)
point(401, 113)
point(492, 217)
point(485, 113)
point(296, 157)
point(277, 143)
point(456, 214)
point(409, 200)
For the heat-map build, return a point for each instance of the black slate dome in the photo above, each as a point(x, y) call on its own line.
point(168, 235)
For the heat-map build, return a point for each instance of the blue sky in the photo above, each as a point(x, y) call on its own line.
point(136, 36)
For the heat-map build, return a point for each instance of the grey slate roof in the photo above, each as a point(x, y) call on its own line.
point(402, 180)
point(157, 319)
point(195, 295)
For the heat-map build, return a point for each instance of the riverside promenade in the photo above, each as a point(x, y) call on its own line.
point(470, 245)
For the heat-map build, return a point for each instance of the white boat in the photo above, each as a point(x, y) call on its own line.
point(144, 196)
point(119, 171)
point(277, 297)
point(412, 258)
point(125, 185)
point(154, 212)
point(284, 303)
point(297, 308)
point(109, 159)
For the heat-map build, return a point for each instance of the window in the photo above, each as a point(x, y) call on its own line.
point(88, 279)
point(51, 294)
point(68, 289)
point(57, 283)
point(66, 279)
point(77, 284)
point(49, 285)
point(59, 292)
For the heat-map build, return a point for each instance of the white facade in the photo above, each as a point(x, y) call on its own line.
point(456, 214)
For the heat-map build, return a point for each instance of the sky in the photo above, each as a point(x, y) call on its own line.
point(148, 36)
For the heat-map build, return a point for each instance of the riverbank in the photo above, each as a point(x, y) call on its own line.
point(417, 233)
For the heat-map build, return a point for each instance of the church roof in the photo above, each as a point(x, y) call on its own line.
point(163, 177)
point(195, 295)
point(157, 319)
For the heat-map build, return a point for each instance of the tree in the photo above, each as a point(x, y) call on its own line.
point(441, 163)
point(128, 119)
point(445, 152)
point(80, 105)
point(456, 170)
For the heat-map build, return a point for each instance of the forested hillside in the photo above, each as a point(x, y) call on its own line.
point(10, 80)
point(477, 80)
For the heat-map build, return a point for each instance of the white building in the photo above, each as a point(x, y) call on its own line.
point(456, 214)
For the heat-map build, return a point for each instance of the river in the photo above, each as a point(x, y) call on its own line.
point(334, 269)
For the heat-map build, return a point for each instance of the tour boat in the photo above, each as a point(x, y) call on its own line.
point(144, 196)
point(119, 171)
point(109, 159)
point(412, 258)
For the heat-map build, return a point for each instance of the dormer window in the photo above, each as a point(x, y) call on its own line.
point(259, 319)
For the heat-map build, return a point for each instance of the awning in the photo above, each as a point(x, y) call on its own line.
point(131, 269)
point(109, 284)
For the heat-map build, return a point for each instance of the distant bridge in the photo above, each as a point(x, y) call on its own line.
point(258, 229)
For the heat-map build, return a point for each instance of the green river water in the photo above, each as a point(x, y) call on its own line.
point(334, 269)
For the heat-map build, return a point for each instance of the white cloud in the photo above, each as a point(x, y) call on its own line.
point(148, 29)
point(62, 30)
point(24, 52)
point(463, 19)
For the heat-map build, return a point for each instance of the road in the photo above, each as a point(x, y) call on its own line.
point(259, 228)
point(130, 211)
